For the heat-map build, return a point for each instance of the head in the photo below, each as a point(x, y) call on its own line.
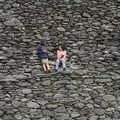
point(43, 42)
point(61, 47)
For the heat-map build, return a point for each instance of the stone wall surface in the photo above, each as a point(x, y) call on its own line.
point(90, 29)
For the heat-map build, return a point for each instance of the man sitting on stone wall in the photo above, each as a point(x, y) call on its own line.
point(42, 53)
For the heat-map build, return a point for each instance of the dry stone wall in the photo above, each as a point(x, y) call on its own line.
point(90, 29)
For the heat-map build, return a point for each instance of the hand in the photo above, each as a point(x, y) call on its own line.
point(62, 56)
point(45, 51)
point(67, 56)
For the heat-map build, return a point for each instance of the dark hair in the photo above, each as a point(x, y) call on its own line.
point(43, 41)
point(62, 46)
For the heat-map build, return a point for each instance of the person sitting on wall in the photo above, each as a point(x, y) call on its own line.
point(61, 58)
point(42, 53)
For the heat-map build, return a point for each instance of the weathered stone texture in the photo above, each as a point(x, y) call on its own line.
point(89, 89)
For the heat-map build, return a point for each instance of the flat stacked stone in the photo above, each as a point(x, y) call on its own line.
point(90, 87)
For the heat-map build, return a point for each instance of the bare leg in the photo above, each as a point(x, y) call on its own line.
point(48, 67)
point(64, 63)
point(44, 67)
point(57, 64)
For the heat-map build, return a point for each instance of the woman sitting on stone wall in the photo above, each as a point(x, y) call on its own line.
point(61, 58)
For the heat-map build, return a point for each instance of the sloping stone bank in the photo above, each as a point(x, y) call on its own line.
point(91, 32)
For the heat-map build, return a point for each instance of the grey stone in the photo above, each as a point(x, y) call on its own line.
point(33, 105)
point(78, 1)
point(1, 87)
point(62, 116)
point(9, 78)
point(75, 114)
point(9, 111)
point(26, 118)
point(80, 43)
point(61, 29)
point(82, 118)
point(93, 118)
point(88, 81)
point(118, 14)
point(20, 76)
point(101, 69)
point(109, 98)
point(2, 103)
point(60, 109)
point(103, 80)
point(51, 106)
point(48, 95)
point(18, 116)
point(3, 57)
point(86, 15)
point(79, 105)
point(107, 119)
point(2, 0)
point(104, 104)
point(48, 113)
point(100, 111)
point(66, 1)
point(16, 103)
point(42, 102)
point(13, 22)
point(46, 82)
point(108, 27)
point(16, 5)
point(1, 112)
point(45, 118)
point(118, 98)
point(24, 84)
point(7, 117)
point(26, 91)
point(57, 96)
point(115, 76)
point(90, 106)
point(72, 87)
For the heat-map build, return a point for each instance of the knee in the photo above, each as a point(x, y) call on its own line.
point(57, 61)
point(63, 61)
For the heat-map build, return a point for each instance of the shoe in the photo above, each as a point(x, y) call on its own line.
point(49, 71)
point(56, 70)
point(45, 71)
point(64, 69)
